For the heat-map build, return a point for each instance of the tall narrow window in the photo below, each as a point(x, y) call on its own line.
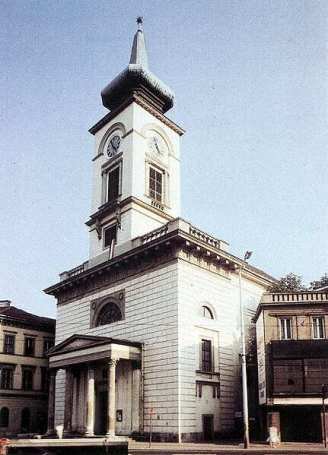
point(4, 417)
point(318, 328)
point(206, 364)
point(155, 184)
point(47, 345)
point(27, 379)
point(285, 329)
point(44, 379)
point(113, 184)
point(9, 344)
point(110, 235)
point(26, 420)
point(6, 378)
point(29, 346)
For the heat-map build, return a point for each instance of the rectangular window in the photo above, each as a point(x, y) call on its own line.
point(285, 329)
point(29, 346)
point(47, 345)
point(113, 184)
point(287, 376)
point(6, 378)
point(315, 374)
point(27, 382)
point(44, 379)
point(9, 344)
point(155, 184)
point(110, 235)
point(318, 328)
point(206, 364)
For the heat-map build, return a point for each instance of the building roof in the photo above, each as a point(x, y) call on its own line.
point(137, 77)
point(299, 298)
point(16, 315)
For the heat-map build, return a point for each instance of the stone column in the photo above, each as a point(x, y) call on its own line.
point(51, 402)
point(90, 402)
point(68, 401)
point(324, 421)
point(111, 415)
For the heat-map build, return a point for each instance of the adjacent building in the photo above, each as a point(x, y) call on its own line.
point(292, 351)
point(24, 341)
point(148, 328)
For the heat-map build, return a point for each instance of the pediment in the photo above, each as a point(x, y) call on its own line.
point(77, 342)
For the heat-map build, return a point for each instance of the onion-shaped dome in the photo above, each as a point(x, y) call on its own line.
point(137, 79)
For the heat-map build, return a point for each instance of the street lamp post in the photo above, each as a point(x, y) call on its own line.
point(324, 429)
point(243, 357)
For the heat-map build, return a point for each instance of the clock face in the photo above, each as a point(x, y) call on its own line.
point(156, 143)
point(113, 145)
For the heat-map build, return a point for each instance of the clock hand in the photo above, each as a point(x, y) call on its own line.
point(156, 144)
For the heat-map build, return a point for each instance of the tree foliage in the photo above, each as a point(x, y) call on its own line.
point(288, 283)
point(293, 283)
point(319, 283)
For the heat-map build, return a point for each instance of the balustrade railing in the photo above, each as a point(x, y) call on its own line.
point(295, 297)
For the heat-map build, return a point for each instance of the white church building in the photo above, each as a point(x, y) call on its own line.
point(148, 328)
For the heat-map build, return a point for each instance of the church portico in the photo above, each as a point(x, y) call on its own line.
point(101, 377)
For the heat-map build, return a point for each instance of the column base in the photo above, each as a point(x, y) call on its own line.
point(110, 434)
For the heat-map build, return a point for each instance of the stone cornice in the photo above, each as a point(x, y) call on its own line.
point(168, 243)
point(141, 101)
point(110, 208)
point(8, 322)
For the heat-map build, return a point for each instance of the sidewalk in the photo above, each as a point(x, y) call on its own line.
point(225, 448)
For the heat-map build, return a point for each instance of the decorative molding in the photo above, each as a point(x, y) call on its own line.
point(148, 107)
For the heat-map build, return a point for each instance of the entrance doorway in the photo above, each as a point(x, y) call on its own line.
point(102, 412)
point(300, 424)
point(208, 427)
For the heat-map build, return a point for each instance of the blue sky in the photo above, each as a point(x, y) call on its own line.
point(250, 79)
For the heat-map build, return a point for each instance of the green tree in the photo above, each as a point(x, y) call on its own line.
point(288, 283)
point(319, 283)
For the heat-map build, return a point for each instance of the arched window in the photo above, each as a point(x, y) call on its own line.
point(207, 313)
point(4, 417)
point(109, 313)
point(26, 420)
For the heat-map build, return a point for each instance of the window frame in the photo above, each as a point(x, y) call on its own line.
point(30, 383)
point(44, 385)
point(207, 309)
point(27, 352)
point(206, 365)
point(104, 229)
point(102, 310)
point(4, 419)
point(7, 379)
point(284, 329)
point(316, 327)
point(46, 348)
point(157, 172)
point(108, 169)
point(5, 345)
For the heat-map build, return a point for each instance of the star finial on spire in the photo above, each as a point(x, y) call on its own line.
point(140, 22)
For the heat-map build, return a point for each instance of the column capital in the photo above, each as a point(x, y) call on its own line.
point(113, 362)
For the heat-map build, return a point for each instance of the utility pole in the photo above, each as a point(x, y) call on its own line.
point(243, 357)
point(324, 429)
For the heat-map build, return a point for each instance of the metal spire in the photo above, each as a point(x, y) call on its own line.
point(140, 23)
point(139, 53)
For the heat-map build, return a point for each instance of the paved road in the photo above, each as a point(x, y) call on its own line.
point(139, 448)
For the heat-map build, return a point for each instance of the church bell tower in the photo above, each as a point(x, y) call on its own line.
point(136, 165)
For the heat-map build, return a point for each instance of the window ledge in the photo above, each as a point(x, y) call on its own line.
point(211, 373)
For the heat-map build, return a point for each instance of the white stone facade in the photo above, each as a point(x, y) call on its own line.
point(163, 311)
